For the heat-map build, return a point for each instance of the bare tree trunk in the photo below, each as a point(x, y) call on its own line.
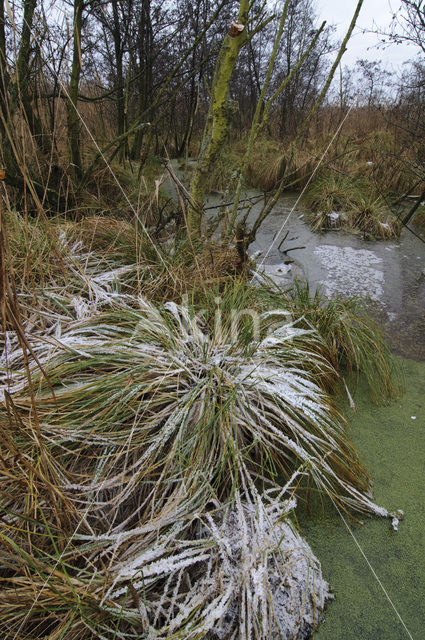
point(74, 151)
point(145, 44)
point(118, 46)
point(4, 76)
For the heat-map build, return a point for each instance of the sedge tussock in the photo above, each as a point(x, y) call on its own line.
point(351, 341)
point(151, 382)
point(236, 571)
point(141, 470)
point(339, 201)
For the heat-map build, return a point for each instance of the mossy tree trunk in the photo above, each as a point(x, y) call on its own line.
point(26, 90)
point(20, 89)
point(217, 123)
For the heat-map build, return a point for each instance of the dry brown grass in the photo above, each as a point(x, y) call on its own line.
point(167, 271)
point(185, 271)
point(166, 267)
point(268, 166)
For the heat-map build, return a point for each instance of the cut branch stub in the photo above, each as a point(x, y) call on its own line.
point(236, 29)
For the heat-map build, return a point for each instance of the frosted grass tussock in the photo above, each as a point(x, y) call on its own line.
point(247, 574)
point(279, 591)
point(155, 437)
point(90, 290)
point(173, 395)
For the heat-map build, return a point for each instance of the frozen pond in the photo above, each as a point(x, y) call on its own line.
point(389, 275)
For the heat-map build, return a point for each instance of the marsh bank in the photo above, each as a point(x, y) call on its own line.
point(390, 277)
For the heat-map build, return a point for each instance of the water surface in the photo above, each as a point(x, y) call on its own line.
point(391, 441)
point(389, 275)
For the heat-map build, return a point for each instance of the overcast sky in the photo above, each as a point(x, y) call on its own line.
point(340, 12)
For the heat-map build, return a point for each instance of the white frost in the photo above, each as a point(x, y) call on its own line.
point(351, 271)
